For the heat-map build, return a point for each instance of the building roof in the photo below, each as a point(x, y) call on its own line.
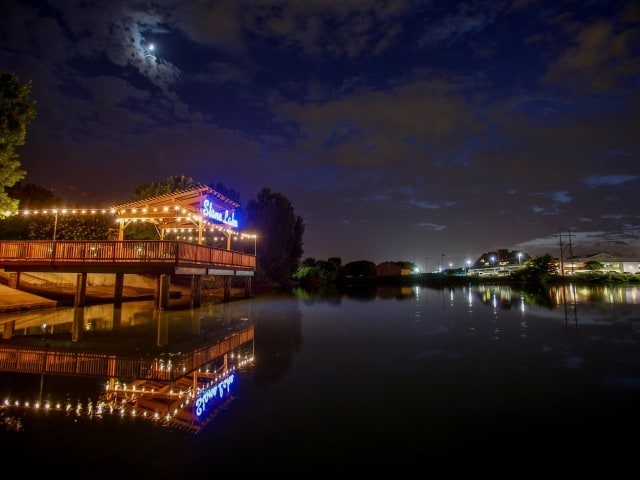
point(177, 210)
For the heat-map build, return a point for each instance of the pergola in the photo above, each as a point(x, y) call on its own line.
point(200, 209)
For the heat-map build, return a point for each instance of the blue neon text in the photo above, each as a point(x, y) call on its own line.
point(209, 394)
point(210, 212)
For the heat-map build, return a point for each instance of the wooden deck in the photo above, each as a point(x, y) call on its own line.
point(125, 256)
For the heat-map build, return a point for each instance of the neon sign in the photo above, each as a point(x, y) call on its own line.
point(209, 211)
point(209, 394)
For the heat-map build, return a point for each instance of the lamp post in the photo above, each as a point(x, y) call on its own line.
point(519, 257)
point(55, 223)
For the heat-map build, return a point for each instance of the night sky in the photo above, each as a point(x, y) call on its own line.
point(399, 130)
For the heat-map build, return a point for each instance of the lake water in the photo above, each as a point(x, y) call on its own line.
point(479, 379)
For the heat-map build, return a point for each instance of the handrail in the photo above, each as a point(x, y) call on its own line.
point(121, 251)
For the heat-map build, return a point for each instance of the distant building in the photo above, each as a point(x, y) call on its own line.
point(601, 262)
point(502, 262)
point(499, 263)
point(390, 268)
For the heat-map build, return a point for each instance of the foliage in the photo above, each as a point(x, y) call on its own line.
point(36, 227)
point(539, 269)
point(17, 110)
point(593, 265)
point(405, 265)
point(230, 193)
point(88, 227)
point(313, 274)
point(360, 268)
point(279, 246)
point(169, 185)
point(32, 196)
point(62, 227)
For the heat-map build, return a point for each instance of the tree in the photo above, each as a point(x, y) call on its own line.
point(271, 216)
point(170, 185)
point(313, 274)
point(29, 227)
point(32, 196)
point(17, 110)
point(230, 193)
point(539, 269)
point(360, 268)
point(593, 265)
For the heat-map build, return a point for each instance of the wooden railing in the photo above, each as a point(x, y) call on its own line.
point(71, 252)
point(165, 368)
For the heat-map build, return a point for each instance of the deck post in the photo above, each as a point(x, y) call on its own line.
point(227, 288)
point(196, 291)
point(78, 323)
point(9, 328)
point(162, 291)
point(81, 290)
point(248, 290)
point(119, 290)
point(163, 328)
point(14, 280)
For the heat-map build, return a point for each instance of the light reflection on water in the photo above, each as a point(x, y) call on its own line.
point(389, 379)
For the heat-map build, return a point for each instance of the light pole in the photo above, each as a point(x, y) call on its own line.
point(442, 263)
point(426, 265)
point(519, 257)
point(55, 223)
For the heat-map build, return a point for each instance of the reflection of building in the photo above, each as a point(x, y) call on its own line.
point(183, 390)
point(188, 403)
point(394, 292)
point(500, 296)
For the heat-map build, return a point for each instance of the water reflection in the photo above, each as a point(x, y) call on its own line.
point(179, 322)
point(492, 370)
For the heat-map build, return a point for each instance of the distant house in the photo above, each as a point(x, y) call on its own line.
point(608, 263)
point(503, 263)
point(390, 268)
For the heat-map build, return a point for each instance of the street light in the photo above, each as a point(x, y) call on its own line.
point(519, 257)
point(55, 223)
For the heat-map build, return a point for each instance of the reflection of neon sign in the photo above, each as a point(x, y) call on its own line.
point(208, 394)
point(209, 211)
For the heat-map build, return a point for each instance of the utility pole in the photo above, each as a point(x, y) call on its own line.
point(562, 248)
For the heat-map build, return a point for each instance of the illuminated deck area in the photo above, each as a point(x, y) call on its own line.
point(123, 256)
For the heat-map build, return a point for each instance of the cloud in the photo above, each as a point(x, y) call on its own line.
point(606, 180)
